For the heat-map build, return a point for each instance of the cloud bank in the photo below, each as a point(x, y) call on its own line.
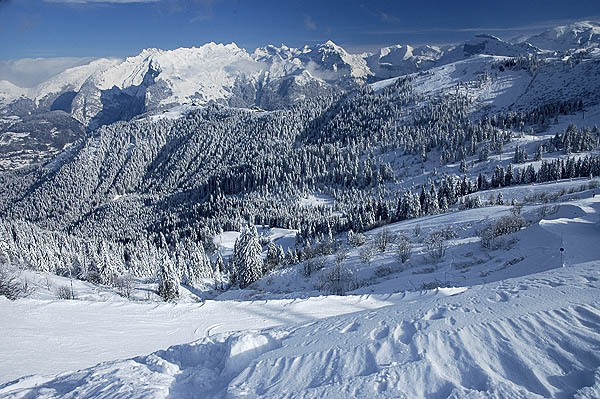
point(28, 72)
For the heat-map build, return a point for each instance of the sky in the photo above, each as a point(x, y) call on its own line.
point(99, 28)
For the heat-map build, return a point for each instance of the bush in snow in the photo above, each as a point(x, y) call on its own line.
point(340, 278)
point(403, 248)
point(356, 239)
point(367, 253)
point(546, 210)
point(10, 284)
point(448, 233)
point(516, 209)
point(124, 285)
point(383, 239)
point(313, 265)
point(64, 292)
point(417, 230)
point(504, 225)
point(435, 244)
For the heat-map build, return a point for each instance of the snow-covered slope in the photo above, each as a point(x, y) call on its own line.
point(492, 87)
point(533, 336)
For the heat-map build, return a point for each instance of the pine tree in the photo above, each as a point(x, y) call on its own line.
point(272, 261)
point(249, 263)
point(290, 257)
point(219, 272)
point(168, 283)
point(433, 207)
point(198, 263)
point(508, 177)
point(280, 255)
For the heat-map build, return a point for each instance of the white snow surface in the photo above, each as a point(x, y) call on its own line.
point(534, 332)
point(530, 337)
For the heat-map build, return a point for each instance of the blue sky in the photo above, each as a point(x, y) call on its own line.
point(78, 28)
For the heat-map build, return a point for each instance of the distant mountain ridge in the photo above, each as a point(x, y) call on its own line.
point(158, 79)
point(108, 90)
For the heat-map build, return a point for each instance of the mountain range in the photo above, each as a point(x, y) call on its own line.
point(56, 112)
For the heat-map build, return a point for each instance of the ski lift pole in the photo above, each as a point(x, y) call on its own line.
point(562, 250)
point(562, 256)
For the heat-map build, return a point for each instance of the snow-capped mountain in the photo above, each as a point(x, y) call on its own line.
point(107, 90)
point(579, 35)
point(403, 59)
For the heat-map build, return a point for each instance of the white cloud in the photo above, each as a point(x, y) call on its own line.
point(28, 72)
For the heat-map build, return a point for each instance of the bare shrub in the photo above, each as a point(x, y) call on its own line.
point(367, 253)
point(383, 239)
point(313, 265)
point(64, 292)
point(431, 285)
point(546, 210)
point(124, 285)
point(10, 284)
point(341, 256)
point(448, 233)
point(403, 248)
point(417, 230)
point(504, 225)
point(543, 197)
point(339, 280)
point(516, 209)
point(356, 239)
point(435, 244)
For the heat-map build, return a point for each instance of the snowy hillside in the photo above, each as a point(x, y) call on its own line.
point(525, 337)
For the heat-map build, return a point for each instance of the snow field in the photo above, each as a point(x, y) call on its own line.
point(530, 337)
